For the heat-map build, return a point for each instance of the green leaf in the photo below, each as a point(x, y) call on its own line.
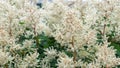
point(21, 22)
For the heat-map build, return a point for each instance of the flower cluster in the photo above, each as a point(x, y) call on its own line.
point(84, 33)
point(20, 18)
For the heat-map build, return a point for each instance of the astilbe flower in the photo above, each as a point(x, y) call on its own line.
point(3, 37)
point(5, 57)
point(75, 25)
point(30, 60)
point(107, 57)
point(54, 12)
point(51, 54)
point(108, 16)
point(78, 28)
point(20, 18)
point(65, 62)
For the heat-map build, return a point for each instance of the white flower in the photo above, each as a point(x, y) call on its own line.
point(31, 60)
point(50, 52)
point(5, 57)
point(65, 62)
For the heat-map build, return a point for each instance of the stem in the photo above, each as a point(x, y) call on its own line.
point(36, 39)
point(6, 66)
point(74, 52)
point(37, 42)
point(34, 28)
point(107, 66)
point(104, 27)
point(10, 27)
point(74, 55)
point(104, 30)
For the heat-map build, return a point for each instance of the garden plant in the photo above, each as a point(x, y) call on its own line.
point(60, 34)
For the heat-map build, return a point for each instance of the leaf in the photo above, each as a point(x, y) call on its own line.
point(21, 22)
